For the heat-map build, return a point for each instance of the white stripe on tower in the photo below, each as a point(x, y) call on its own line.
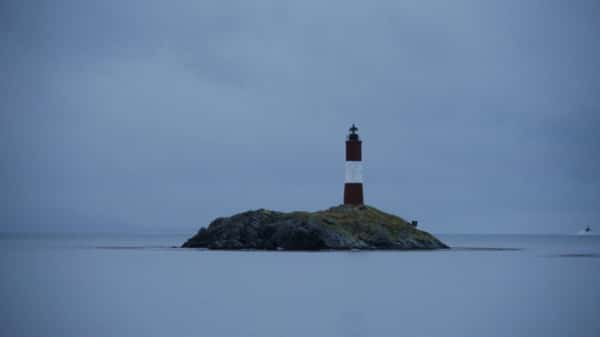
point(354, 172)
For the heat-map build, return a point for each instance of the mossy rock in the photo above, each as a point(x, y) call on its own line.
point(341, 227)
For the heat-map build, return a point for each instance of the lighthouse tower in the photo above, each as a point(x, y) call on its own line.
point(353, 187)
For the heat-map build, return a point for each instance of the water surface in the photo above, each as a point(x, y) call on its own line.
point(136, 285)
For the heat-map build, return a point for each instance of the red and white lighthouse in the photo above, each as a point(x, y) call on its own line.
point(353, 184)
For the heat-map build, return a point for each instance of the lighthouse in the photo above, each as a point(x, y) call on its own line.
point(353, 184)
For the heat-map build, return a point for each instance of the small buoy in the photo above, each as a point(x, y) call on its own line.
point(586, 231)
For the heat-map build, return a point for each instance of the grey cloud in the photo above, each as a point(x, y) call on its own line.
point(477, 117)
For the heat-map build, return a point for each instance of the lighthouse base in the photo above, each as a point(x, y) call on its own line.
point(353, 194)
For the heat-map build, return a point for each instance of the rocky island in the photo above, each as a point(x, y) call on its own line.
point(352, 225)
point(342, 227)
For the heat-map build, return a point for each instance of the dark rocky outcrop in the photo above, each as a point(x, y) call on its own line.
point(341, 227)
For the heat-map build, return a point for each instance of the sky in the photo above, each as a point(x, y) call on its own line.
point(476, 116)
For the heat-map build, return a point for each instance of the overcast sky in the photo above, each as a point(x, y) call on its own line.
point(476, 116)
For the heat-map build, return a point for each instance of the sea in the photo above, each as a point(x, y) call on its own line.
point(141, 284)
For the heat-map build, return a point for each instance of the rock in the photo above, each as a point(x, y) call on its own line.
point(341, 228)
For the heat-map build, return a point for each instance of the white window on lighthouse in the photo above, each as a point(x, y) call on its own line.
point(354, 172)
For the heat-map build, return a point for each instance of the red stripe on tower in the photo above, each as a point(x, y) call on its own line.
point(353, 184)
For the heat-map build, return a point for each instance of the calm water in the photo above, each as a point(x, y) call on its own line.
point(134, 285)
